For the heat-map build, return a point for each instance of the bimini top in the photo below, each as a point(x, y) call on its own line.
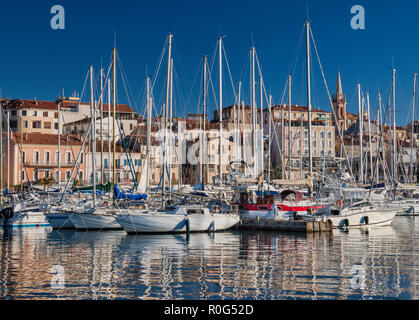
point(291, 195)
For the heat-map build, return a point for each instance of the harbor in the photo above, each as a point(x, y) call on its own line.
point(232, 265)
point(209, 176)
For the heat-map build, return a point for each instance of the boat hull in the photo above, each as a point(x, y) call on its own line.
point(362, 219)
point(168, 223)
point(60, 221)
point(94, 221)
point(26, 219)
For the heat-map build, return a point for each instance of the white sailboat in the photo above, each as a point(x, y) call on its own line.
point(181, 219)
point(361, 214)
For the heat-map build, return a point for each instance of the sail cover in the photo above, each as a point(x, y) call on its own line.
point(128, 196)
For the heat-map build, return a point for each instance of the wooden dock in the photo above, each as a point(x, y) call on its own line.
point(287, 226)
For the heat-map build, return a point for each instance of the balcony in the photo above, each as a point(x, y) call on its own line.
point(39, 164)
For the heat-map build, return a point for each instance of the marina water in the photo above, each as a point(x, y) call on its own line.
point(375, 263)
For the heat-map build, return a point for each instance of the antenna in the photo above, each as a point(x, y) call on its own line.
point(308, 16)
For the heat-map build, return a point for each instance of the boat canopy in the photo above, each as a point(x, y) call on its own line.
point(128, 196)
point(292, 195)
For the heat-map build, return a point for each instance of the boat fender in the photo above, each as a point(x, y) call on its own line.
point(340, 204)
point(7, 213)
point(311, 211)
point(366, 220)
point(346, 223)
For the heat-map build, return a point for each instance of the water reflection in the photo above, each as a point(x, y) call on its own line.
point(231, 265)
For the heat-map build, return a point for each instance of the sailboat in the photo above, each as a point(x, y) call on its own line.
point(96, 215)
point(175, 218)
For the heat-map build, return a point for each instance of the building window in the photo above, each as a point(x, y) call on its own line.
point(22, 175)
point(47, 157)
point(35, 113)
point(14, 113)
point(67, 175)
point(81, 157)
point(13, 124)
point(36, 157)
point(23, 156)
point(23, 112)
point(46, 114)
point(47, 174)
point(25, 124)
point(329, 135)
point(47, 125)
point(36, 175)
point(68, 155)
point(56, 126)
point(81, 175)
point(36, 125)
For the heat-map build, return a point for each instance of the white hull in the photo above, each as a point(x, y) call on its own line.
point(59, 221)
point(25, 219)
point(94, 221)
point(362, 219)
point(172, 223)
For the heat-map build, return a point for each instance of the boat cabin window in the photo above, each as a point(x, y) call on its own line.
point(362, 205)
point(195, 211)
point(264, 208)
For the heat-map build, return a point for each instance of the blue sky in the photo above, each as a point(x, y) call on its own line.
point(36, 61)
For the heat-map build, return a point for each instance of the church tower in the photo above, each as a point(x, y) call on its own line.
point(339, 105)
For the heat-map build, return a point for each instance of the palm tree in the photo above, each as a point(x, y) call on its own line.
point(46, 182)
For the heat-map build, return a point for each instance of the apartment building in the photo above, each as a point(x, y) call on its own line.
point(34, 156)
point(36, 116)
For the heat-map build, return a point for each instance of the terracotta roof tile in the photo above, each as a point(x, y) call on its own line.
point(45, 139)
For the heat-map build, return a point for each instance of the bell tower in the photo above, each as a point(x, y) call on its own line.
point(339, 105)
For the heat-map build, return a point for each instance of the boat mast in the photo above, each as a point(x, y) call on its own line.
point(360, 122)
point(8, 149)
point(148, 133)
point(237, 121)
point(204, 113)
point(221, 108)
point(59, 146)
point(243, 138)
point(262, 164)
point(169, 152)
point(289, 127)
point(412, 140)
point(93, 135)
point(270, 141)
point(255, 160)
point(101, 126)
point(114, 123)
point(1, 150)
point(165, 116)
point(369, 136)
point(309, 98)
point(395, 169)
point(109, 131)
